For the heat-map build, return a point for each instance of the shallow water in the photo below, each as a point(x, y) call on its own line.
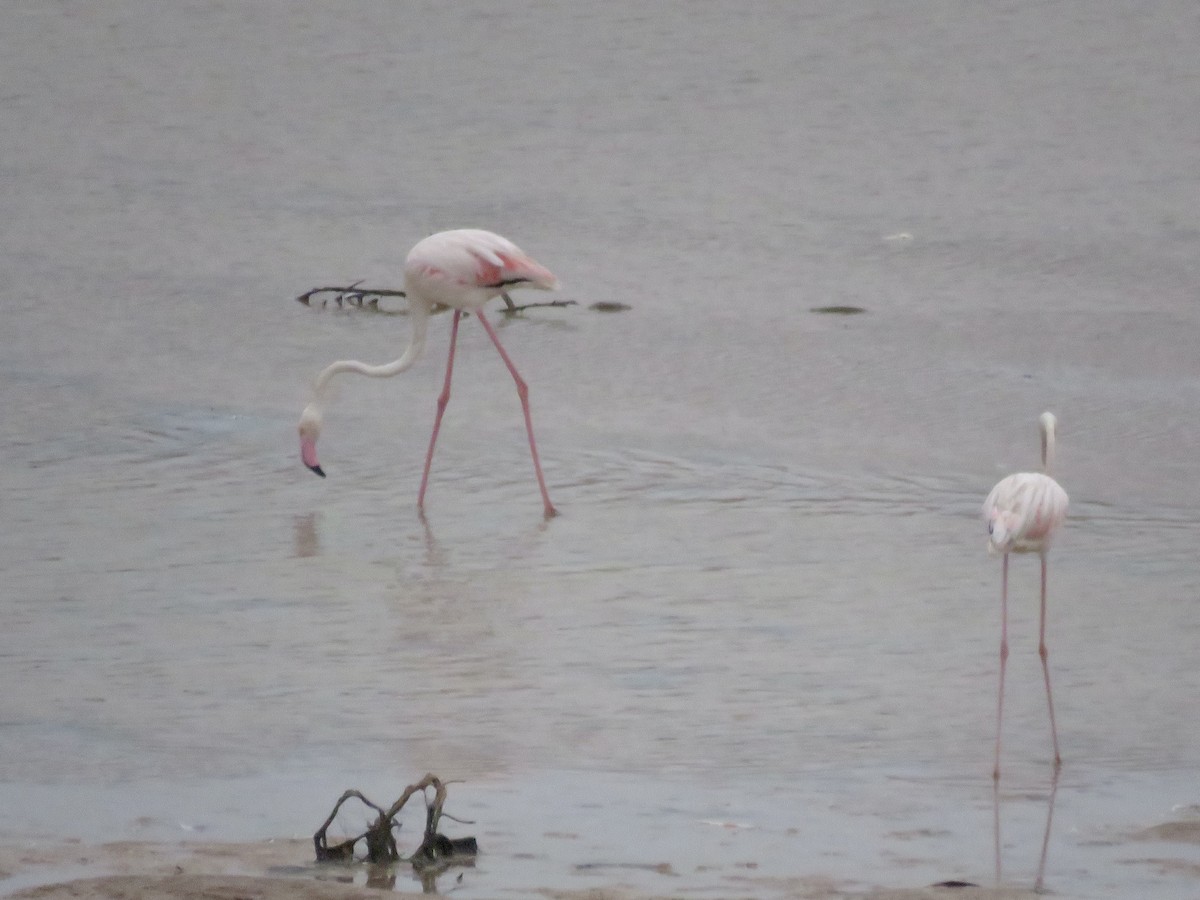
point(767, 598)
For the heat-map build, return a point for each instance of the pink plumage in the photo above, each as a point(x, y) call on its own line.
point(463, 269)
point(1023, 512)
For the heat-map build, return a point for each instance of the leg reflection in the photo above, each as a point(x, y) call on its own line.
point(1039, 882)
point(1041, 872)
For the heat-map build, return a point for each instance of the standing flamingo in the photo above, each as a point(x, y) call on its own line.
point(460, 269)
point(1022, 512)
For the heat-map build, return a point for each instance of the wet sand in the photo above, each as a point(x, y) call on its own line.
point(627, 837)
point(233, 872)
point(273, 870)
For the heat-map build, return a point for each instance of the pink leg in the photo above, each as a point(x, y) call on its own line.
point(523, 393)
point(1003, 660)
point(442, 400)
point(1044, 653)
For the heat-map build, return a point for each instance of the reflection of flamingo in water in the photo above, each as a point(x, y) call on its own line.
point(1022, 513)
point(1039, 881)
point(462, 270)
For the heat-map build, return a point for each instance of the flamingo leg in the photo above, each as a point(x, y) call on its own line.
point(523, 393)
point(1003, 660)
point(443, 399)
point(1044, 653)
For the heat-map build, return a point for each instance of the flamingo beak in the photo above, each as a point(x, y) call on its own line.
point(308, 455)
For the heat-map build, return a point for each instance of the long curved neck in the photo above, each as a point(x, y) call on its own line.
point(1047, 449)
point(419, 313)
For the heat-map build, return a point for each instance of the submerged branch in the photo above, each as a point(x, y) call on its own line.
point(368, 298)
point(351, 294)
point(435, 850)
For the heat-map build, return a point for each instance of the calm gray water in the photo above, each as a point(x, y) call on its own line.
point(767, 600)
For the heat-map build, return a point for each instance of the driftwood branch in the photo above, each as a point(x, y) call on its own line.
point(436, 850)
point(368, 298)
point(351, 294)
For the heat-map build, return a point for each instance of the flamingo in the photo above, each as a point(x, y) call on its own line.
point(460, 269)
point(1023, 511)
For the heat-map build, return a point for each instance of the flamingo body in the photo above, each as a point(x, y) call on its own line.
point(1023, 511)
point(462, 270)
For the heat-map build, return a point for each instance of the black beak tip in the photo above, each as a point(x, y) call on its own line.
point(318, 470)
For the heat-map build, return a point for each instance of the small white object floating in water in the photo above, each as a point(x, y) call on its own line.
point(899, 237)
point(730, 825)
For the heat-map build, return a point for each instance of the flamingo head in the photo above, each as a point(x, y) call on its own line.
point(1001, 531)
point(310, 430)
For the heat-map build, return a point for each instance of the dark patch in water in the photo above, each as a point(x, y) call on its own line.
point(609, 306)
point(838, 310)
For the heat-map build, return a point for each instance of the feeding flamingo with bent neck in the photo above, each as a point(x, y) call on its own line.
point(460, 269)
point(1023, 512)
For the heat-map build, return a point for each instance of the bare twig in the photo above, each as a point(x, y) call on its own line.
point(345, 851)
point(514, 309)
point(368, 298)
point(350, 293)
point(435, 849)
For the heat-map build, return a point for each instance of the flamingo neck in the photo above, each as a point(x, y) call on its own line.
point(1047, 451)
point(419, 313)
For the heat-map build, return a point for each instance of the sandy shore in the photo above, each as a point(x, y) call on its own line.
point(241, 887)
point(283, 869)
point(274, 871)
point(214, 887)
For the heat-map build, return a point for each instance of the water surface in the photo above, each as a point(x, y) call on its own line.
point(767, 599)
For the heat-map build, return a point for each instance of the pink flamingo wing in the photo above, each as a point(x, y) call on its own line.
point(497, 268)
